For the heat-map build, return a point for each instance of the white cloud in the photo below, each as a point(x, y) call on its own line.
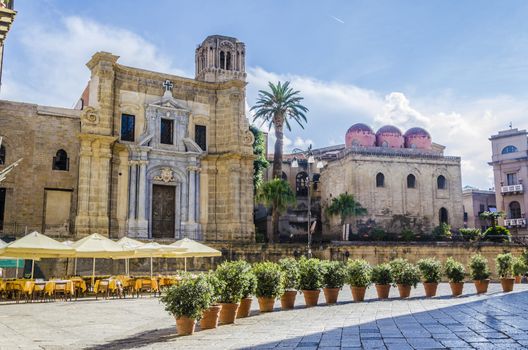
point(55, 56)
point(463, 126)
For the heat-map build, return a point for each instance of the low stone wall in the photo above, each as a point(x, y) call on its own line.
point(373, 252)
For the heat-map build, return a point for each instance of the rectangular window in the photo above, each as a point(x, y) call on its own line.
point(167, 131)
point(128, 123)
point(512, 179)
point(482, 208)
point(200, 136)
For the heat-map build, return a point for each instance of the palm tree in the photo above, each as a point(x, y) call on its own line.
point(492, 216)
point(345, 206)
point(277, 108)
point(276, 194)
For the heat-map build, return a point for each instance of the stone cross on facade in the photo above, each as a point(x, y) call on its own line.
point(168, 85)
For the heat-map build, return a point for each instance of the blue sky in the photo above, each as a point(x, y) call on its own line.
point(457, 68)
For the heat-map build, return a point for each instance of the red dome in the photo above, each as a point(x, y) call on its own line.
point(389, 136)
point(417, 138)
point(360, 135)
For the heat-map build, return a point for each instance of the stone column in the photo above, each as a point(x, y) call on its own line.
point(82, 225)
point(132, 191)
point(142, 190)
point(103, 219)
point(192, 195)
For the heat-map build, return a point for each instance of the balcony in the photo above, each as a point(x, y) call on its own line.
point(515, 222)
point(512, 189)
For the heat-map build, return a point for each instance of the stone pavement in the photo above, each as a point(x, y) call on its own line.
point(493, 321)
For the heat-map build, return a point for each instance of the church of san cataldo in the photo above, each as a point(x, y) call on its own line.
point(143, 154)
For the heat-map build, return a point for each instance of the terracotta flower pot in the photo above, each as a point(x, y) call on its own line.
point(331, 295)
point(456, 288)
point(266, 304)
point(358, 293)
point(228, 313)
point(430, 288)
point(404, 290)
point(481, 285)
point(311, 297)
point(507, 284)
point(288, 299)
point(210, 317)
point(383, 290)
point(185, 325)
point(518, 279)
point(244, 308)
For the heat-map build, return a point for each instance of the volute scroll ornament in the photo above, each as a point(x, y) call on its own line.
point(90, 115)
point(248, 138)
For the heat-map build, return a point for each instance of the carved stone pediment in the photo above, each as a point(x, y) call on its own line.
point(165, 174)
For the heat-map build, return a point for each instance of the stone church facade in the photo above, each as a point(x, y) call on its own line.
point(150, 155)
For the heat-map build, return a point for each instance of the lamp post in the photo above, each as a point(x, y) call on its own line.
point(308, 154)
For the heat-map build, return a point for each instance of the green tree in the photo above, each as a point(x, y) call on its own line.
point(276, 108)
point(492, 216)
point(259, 150)
point(278, 195)
point(345, 206)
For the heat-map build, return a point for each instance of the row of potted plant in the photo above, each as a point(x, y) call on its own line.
point(226, 294)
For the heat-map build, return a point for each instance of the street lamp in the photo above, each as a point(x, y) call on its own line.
point(308, 154)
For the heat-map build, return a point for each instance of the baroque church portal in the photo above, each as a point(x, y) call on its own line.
point(143, 154)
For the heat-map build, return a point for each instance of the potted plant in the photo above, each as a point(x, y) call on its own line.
point(270, 284)
point(406, 275)
point(210, 315)
point(290, 269)
point(186, 301)
point(479, 270)
point(358, 278)
point(381, 276)
point(334, 274)
point(235, 277)
point(244, 309)
point(310, 280)
point(431, 270)
point(519, 269)
point(456, 273)
point(504, 265)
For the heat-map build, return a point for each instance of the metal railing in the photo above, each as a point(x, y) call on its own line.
point(512, 189)
point(515, 222)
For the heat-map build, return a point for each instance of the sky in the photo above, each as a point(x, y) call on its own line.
point(456, 68)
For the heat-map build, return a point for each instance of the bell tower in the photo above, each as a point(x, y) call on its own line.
point(220, 58)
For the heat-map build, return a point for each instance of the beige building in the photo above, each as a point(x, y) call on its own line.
point(403, 180)
point(144, 154)
point(476, 202)
point(510, 171)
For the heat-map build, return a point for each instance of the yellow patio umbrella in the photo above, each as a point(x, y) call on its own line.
point(194, 249)
point(129, 244)
point(35, 246)
point(156, 250)
point(97, 246)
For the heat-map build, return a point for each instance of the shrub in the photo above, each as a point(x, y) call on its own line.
point(478, 267)
point(408, 235)
point(359, 273)
point(524, 256)
point(378, 234)
point(236, 277)
point(189, 297)
point(381, 274)
point(334, 274)
point(431, 270)
point(442, 232)
point(310, 274)
point(454, 270)
point(290, 268)
point(470, 234)
point(404, 272)
point(497, 234)
point(504, 265)
point(270, 280)
point(216, 285)
point(519, 267)
point(250, 286)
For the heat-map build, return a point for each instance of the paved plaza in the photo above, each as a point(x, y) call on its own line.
point(493, 321)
